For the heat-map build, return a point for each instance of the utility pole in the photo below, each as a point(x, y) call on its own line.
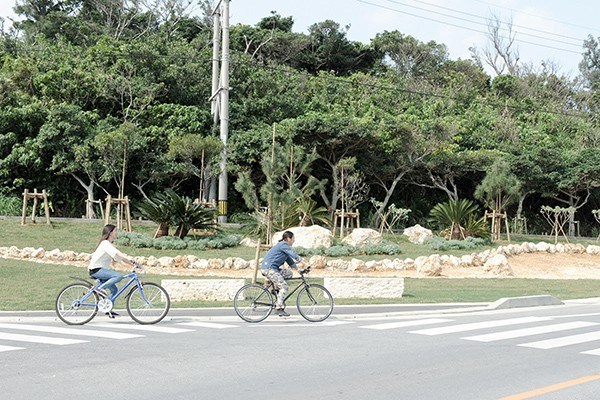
point(222, 218)
point(220, 96)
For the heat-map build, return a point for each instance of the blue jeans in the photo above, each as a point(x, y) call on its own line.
point(110, 277)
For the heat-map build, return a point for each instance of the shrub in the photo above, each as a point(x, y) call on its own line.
point(339, 251)
point(440, 244)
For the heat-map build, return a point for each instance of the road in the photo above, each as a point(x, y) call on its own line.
point(550, 352)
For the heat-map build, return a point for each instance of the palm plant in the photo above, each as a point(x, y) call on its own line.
point(455, 216)
point(157, 210)
point(306, 210)
point(188, 215)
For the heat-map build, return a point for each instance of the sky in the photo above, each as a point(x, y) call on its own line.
point(551, 30)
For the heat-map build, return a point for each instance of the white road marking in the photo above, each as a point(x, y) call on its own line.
point(517, 333)
point(137, 327)
point(38, 339)
point(213, 325)
point(70, 331)
point(479, 325)
point(564, 341)
point(10, 348)
point(402, 324)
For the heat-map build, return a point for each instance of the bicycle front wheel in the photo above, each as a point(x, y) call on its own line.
point(253, 303)
point(314, 303)
point(148, 304)
point(71, 309)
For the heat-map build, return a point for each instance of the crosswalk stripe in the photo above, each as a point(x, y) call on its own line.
point(296, 324)
point(9, 348)
point(479, 325)
point(136, 327)
point(70, 331)
point(213, 325)
point(402, 324)
point(595, 352)
point(38, 339)
point(517, 333)
point(564, 341)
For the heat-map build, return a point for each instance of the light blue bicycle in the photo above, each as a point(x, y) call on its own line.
point(78, 303)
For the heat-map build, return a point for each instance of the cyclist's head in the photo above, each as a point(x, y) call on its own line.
point(106, 231)
point(287, 235)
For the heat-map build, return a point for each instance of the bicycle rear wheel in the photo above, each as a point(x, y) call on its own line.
point(148, 305)
point(69, 307)
point(253, 303)
point(314, 303)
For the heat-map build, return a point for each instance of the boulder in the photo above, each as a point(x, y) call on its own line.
point(498, 266)
point(308, 237)
point(417, 234)
point(362, 237)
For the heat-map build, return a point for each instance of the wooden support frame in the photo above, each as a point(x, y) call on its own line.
point(123, 208)
point(35, 196)
point(497, 218)
point(351, 219)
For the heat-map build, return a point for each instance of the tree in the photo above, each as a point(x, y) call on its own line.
point(200, 155)
point(409, 57)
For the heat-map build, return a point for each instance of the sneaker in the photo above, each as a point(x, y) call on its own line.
point(102, 292)
point(282, 313)
point(112, 314)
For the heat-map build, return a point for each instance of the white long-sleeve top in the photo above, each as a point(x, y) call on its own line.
point(104, 255)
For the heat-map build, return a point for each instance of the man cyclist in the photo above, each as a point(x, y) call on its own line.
point(278, 255)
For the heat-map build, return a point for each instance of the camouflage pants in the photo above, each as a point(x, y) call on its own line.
point(279, 282)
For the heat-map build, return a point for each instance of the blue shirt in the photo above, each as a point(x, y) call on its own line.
point(279, 254)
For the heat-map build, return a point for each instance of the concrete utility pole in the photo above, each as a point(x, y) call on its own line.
point(224, 114)
point(220, 96)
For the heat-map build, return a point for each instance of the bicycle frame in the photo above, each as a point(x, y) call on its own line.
point(134, 278)
point(291, 293)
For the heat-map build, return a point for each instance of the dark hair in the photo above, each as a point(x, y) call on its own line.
point(106, 231)
point(287, 235)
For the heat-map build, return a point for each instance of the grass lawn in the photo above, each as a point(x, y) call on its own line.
point(32, 286)
point(27, 285)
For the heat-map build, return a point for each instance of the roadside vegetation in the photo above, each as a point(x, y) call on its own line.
point(26, 285)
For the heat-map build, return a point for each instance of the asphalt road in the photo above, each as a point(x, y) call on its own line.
point(551, 352)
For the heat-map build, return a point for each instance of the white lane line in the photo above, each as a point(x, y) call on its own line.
point(517, 333)
point(295, 324)
point(70, 331)
point(479, 325)
point(10, 348)
point(564, 341)
point(402, 324)
point(213, 325)
point(595, 352)
point(136, 327)
point(38, 339)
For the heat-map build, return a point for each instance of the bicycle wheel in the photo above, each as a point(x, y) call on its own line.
point(69, 307)
point(253, 303)
point(314, 303)
point(148, 307)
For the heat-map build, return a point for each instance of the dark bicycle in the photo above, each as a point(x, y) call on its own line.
point(255, 302)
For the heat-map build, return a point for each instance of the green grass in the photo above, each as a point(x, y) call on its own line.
point(27, 285)
point(32, 286)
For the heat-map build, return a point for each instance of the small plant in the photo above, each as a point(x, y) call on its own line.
point(455, 216)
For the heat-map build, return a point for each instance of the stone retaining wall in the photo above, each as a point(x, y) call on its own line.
point(202, 289)
point(365, 288)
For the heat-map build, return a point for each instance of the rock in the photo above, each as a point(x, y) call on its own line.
point(317, 262)
point(542, 247)
point(431, 266)
point(308, 237)
point(165, 262)
point(498, 266)
point(592, 249)
point(362, 237)
point(417, 234)
point(249, 242)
